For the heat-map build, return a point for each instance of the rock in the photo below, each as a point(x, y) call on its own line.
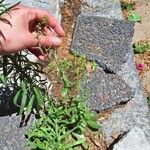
point(107, 41)
point(107, 91)
point(133, 140)
point(52, 6)
point(12, 136)
point(136, 111)
point(103, 8)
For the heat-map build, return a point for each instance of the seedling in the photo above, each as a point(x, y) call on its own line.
point(129, 9)
point(148, 100)
point(134, 17)
point(141, 47)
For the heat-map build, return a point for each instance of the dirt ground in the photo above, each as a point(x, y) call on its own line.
point(142, 33)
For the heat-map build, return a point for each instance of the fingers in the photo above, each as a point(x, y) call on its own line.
point(52, 22)
point(39, 54)
point(45, 41)
point(48, 41)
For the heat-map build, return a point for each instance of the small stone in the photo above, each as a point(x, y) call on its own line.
point(135, 139)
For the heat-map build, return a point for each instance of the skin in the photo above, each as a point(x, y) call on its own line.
point(19, 33)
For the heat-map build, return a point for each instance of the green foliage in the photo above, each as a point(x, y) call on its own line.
point(5, 8)
point(132, 14)
point(23, 76)
point(135, 17)
point(63, 127)
point(141, 47)
point(128, 6)
point(60, 125)
point(148, 100)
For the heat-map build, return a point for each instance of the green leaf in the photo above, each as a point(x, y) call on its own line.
point(16, 97)
point(135, 17)
point(148, 100)
point(39, 97)
point(24, 97)
point(3, 80)
point(140, 48)
point(76, 143)
point(93, 124)
point(67, 82)
point(30, 104)
point(65, 92)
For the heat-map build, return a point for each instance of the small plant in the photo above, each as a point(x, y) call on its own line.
point(129, 6)
point(129, 9)
point(141, 47)
point(63, 127)
point(65, 121)
point(148, 100)
point(135, 17)
point(61, 123)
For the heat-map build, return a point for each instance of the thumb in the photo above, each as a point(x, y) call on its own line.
point(45, 41)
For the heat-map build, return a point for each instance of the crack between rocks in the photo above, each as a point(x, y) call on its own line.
point(116, 140)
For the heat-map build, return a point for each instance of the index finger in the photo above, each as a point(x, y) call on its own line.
point(52, 22)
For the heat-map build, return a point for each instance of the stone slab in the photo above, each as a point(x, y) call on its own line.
point(135, 113)
point(11, 135)
point(103, 8)
point(133, 140)
point(107, 91)
point(107, 41)
point(49, 5)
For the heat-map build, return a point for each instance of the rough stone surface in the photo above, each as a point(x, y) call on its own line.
point(133, 140)
point(107, 91)
point(134, 113)
point(105, 40)
point(103, 8)
point(49, 5)
point(11, 136)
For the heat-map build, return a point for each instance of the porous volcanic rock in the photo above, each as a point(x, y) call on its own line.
point(107, 41)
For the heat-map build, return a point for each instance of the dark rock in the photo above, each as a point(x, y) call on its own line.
point(107, 41)
point(107, 91)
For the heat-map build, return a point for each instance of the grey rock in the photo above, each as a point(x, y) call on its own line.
point(52, 6)
point(103, 8)
point(107, 91)
point(133, 140)
point(11, 135)
point(107, 41)
point(134, 113)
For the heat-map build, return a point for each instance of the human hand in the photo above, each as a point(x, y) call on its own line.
point(19, 32)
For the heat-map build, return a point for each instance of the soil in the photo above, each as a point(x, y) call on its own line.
point(142, 33)
point(70, 10)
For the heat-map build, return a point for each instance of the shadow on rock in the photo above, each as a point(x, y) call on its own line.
point(6, 102)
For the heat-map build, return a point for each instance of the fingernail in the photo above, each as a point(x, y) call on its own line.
point(57, 42)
